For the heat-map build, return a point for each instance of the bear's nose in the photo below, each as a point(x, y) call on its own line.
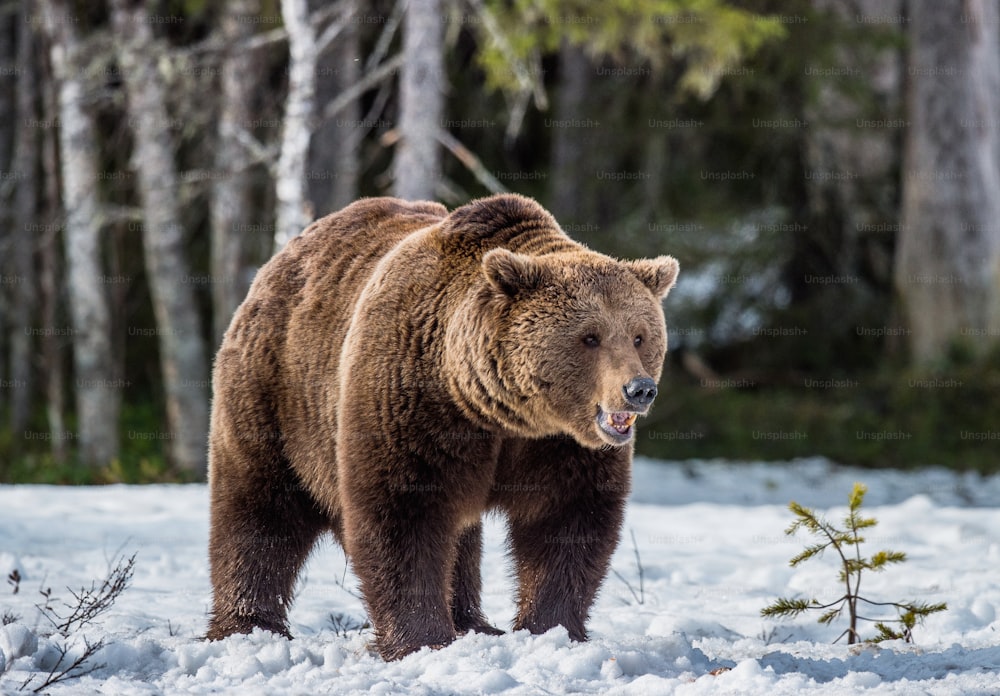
point(640, 391)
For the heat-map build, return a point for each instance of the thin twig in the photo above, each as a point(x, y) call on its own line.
point(331, 30)
point(360, 87)
point(385, 38)
point(639, 597)
point(264, 154)
point(470, 161)
point(638, 564)
point(73, 670)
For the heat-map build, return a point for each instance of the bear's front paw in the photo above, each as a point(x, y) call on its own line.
point(483, 627)
point(222, 626)
point(391, 650)
point(541, 624)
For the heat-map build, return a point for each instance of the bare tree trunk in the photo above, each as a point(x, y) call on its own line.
point(291, 214)
point(334, 165)
point(569, 174)
point(97, 400)
point(349, 132)
point(948, 249)
point(8, 180)
point(182, 350)
point(417, 164)
point(232, 194)
point(24, 213)
point(52, 362)
point(10, 76)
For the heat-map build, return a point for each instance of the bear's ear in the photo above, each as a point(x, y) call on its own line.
point(512, 273)
point(659, 274)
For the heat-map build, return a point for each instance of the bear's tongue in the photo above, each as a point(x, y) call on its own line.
point(621, 421)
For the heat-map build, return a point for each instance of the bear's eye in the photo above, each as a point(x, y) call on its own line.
point(591, 341)
point(637, 341)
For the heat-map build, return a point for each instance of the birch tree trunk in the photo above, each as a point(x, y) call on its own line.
point(24, 213)
point(948, 249)
point(291, 214)
point(232, 193)
point(50, 275)
point(97, 398)
point(182, 351)
point(417, 162)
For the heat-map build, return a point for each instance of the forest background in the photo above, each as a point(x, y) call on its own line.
point(827, 173)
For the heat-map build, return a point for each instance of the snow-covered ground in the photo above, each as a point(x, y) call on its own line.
point(710, 538)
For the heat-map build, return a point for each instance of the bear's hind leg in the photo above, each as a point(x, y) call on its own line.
point(467, 585)
point(260, 537)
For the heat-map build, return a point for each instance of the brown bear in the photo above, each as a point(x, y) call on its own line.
point(395, 372)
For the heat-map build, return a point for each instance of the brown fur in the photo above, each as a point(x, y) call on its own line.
point(394, 373)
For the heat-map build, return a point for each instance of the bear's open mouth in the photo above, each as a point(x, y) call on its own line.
point(616, 424)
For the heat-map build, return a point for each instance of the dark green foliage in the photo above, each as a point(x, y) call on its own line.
point(708, 36)
point(142, 457)
point(851, 566)
point(724, 66)
point(889, 417)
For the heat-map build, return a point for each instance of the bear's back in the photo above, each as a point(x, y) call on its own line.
point(366, 229)
point(324, 268)
point(286, 337)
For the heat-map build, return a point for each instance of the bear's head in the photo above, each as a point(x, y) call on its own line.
point(581, 338)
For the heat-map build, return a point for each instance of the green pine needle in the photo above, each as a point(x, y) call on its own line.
point(882, 558)
point(922, 610)
point(886, 633)
point(829, 616)
point(785, 607)
point(857, 496)
point(807, 553)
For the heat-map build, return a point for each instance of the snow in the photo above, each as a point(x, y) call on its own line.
point(710, 536)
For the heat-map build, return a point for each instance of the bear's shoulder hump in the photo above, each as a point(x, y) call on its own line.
point(492, 217)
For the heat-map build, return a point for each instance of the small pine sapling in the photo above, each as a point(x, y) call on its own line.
point(847, 544)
